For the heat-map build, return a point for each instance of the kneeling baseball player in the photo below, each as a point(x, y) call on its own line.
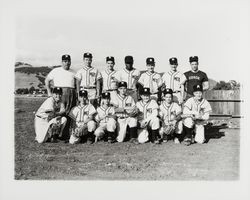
point(170, 114)
point(148, 118)
point(125, 110)
point(106, 119)
point(82, 124)
point(195, 113)
point(49, 120)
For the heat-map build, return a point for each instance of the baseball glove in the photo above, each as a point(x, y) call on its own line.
point(79, 131)
point(54, 129)
point(131, 112)
point(168, 129)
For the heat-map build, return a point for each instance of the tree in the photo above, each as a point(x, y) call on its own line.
point(32, 89)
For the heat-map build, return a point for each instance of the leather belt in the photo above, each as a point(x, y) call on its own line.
point(176, 91)
point(90, 87)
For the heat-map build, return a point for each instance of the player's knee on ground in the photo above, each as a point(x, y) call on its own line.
point(132, 122)
point(111, 125)
point(179, 127)
point(142, 135)
point(154, 123)
point(99, 132)
point(74, 140)
point(199, 134)
point(63, 120)
point(188, 122)
point(91, 126)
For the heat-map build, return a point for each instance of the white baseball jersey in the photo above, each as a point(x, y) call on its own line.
point(151, 80)
point(88, 76)
point(131, 77)
point(147, 109)
point(169, 111)
point(103, 113)
point(201, 107)
point(81, 113)
point(173, 80)
point(49, 105)
point(121, 102)
point(62, 77)
point(109, 80)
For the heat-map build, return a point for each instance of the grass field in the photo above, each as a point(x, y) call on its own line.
point(218, 159)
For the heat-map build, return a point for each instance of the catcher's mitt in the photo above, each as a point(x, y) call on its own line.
point(168, 129)
point(80, 131)
point(54, 129)
point(131, 112)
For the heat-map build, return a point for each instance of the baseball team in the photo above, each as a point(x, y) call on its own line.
point(125, 105)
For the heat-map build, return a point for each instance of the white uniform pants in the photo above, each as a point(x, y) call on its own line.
point(91, 126)
point(154, 124)
point(122, 127)
point(108, 126)
point(42, 127)
point(198, 129)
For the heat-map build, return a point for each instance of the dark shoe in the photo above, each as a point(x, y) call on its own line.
point(187, 142)
point(157, 142)
point(90, 141)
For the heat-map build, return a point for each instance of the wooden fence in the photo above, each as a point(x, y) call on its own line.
point(225, 103)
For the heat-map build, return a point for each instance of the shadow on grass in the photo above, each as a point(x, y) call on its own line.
point(214, 132)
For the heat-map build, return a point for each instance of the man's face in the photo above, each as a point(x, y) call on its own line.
point(83, 100)
point(122, 90)
point(66, 64)
point(194, 66)
point(87, 61)
point(168, 98)
point(173, 67)
point(110, 65)
point(145, 98)
point(105, 101)
point(129, 66)
point(150, 67)
point(57, 97)
point(198, 95)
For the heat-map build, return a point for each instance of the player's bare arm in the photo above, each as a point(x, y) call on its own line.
point(205, 85)
point(47, 85)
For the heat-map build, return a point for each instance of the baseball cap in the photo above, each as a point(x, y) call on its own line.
point(106, 95)
point(122, 84)
point(129, 59)
point(83, 93)
point(110, 58)
point(150, 61)
point(168, 91)
point(197, 88)
point(57, 90)
point(66, 57)
point(87, 55)
point(173, 61)
point(193, 59)
point(145, 91)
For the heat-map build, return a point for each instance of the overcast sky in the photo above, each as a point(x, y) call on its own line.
point(161, 29)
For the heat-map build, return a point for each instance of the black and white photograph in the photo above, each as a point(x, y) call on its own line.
point(122, 95)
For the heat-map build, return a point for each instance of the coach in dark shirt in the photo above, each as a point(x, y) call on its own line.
point(194, 77)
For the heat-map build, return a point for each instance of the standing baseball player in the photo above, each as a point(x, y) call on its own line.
point(195, 113)
point(126, 113)
point(82, 124)
point(131, 76)
point(64, 77)
point(49, 120)
point(173, 79)
point(89, 78)
point(106, 119)
point(148, 118)
point(109, 80)
point(194, 77)
point(152, 80)
point(170, 115)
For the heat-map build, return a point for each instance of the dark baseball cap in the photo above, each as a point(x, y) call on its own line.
point(168, 91)
point(129, 59)
point(197, 87)
point(150, 61)
point(57, 90)
point(87, 55)
point(173, 61)
point(106, 95)
point(122, 84)
point(66, 57)
point(193, 59)
point(145, 91)
point(110, 58)
point(83, 93)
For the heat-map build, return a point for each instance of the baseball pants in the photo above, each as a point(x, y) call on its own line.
point(122, 127)
point(109, 126)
